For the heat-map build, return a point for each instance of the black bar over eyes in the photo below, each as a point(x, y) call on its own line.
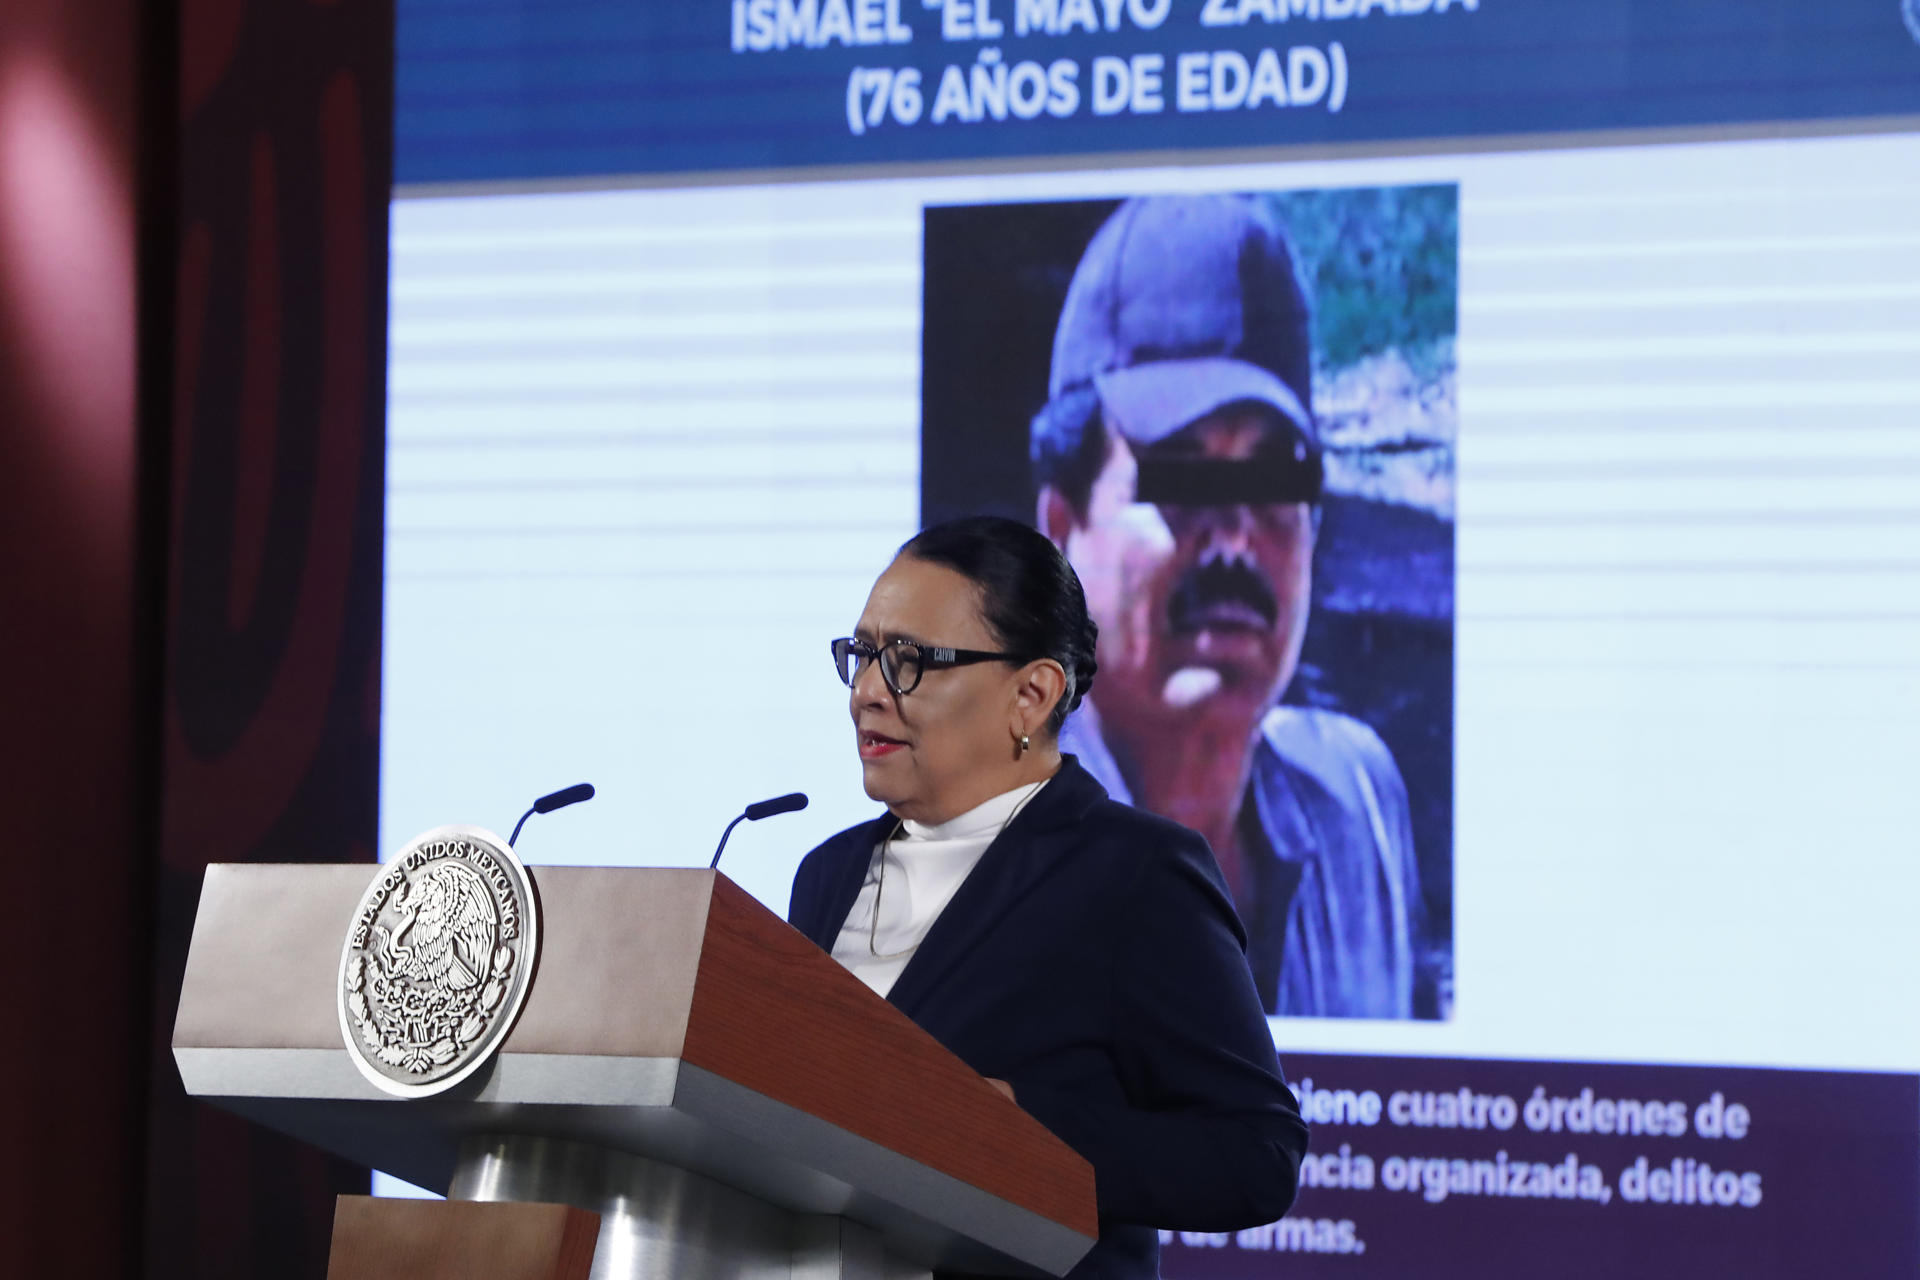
point(1230, 482)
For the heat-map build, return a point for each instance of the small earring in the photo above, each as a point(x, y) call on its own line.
point(1025, 743)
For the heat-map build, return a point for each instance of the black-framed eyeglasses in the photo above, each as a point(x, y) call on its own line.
point(902, 662)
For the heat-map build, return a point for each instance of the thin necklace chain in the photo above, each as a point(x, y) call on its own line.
point(880, 880)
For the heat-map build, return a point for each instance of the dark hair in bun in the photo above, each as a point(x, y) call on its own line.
point(1030, 597)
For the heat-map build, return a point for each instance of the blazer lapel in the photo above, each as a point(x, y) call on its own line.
point(1022, 855)
point(846, 874)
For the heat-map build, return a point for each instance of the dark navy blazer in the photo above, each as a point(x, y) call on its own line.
point(1093, 961)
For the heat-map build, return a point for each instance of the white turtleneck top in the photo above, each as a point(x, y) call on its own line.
point(909, 882)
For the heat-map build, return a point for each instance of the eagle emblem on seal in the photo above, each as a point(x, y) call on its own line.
point(446, 933)
point(437, 961)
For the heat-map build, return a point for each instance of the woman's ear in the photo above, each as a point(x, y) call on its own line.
point(1042, 683)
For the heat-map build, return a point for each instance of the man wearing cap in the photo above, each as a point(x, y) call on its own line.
point(1179, 470)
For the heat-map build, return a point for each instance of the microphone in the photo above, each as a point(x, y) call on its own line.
point(773, 808)
point(555, 800)
point(791, 803)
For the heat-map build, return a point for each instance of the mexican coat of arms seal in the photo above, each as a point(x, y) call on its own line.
point(437, 961)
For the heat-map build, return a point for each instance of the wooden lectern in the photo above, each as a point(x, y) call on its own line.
point(725, 1096)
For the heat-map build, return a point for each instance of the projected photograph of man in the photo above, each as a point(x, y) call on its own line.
point(1235, 414)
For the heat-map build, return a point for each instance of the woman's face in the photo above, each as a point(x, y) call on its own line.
point(947, 746)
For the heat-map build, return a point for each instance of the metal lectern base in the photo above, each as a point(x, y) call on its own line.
point(658, 1221)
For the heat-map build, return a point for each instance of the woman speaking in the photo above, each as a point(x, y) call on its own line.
point(1081, 954)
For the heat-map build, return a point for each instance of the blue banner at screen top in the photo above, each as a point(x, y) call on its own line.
point(531, 90)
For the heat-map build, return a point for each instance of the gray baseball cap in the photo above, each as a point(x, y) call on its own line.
point(1181, 306)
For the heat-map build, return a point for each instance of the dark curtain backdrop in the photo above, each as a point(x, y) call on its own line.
point(75, 772)
point(193, 215)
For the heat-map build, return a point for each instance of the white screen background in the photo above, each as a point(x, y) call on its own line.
point(649, 448)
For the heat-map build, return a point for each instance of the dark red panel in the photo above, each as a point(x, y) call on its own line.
point(273, 587)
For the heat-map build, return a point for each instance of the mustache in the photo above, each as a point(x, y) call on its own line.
point(1221, 580)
